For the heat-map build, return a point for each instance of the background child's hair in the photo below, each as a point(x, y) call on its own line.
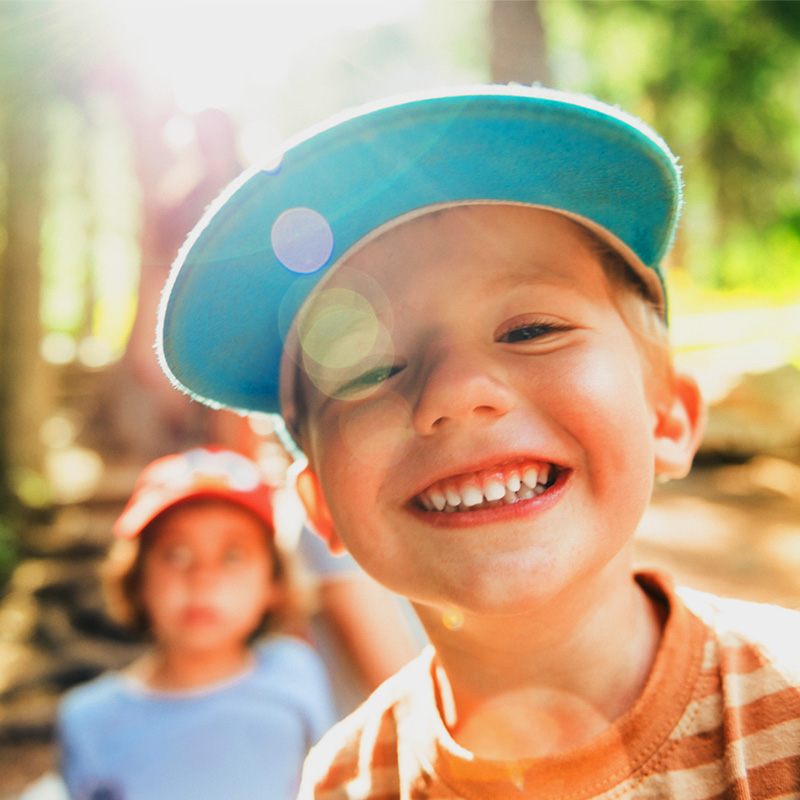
point(122, 580)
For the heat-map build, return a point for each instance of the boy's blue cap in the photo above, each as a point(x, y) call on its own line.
point(264, 245)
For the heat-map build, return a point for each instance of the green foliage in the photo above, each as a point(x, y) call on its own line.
point(89, 258)
point(768, 262)
point(8, 543)
point(720, 81)
point(8, 549)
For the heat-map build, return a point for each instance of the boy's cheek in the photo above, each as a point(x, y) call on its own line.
point(607, 409)
point(374, 433)
point(608, 381)
point(377, 434)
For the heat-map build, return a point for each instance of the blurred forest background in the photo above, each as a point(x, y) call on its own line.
point(120, 121)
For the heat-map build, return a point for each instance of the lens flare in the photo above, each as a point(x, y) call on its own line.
point(342, 341)
point(302, 240)
point(338, 329)
point(453, 619)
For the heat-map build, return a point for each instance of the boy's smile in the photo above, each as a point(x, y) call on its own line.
point(492, 443)
point(492, 488)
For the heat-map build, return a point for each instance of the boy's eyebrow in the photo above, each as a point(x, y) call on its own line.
point(542, 278)
point(539, 273)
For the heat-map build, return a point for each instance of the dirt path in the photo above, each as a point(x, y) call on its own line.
point(732, 530)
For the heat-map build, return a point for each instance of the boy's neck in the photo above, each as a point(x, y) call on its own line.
point(535, 685)
point(180, 670)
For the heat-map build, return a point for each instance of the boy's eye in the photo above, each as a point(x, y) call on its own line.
point(529, 332)
point(367, 380)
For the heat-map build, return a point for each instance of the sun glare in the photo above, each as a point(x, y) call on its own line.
point(211, 52)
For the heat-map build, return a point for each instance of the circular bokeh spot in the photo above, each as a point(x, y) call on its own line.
point(302, 240)
point(453, 619)
point(339, 328)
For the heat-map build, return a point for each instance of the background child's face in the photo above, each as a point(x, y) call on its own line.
point(207, 576)
point(494, 351)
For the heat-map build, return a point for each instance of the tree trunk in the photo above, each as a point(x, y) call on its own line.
point(25, 386)
point(518, 51)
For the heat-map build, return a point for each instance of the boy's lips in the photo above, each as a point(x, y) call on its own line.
point(489, 488)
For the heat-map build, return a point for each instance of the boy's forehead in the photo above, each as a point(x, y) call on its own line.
point(515, 243)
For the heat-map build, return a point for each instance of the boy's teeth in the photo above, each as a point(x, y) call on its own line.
point(544, 474)
point(471, 496)
point(530, 477)
point(516, 485)
point(524, 492)
point(494, 490)
point(438, 499)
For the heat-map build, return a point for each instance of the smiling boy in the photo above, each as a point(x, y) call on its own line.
point(461, 295)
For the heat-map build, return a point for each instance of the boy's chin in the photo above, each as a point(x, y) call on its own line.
point(481, 601)
point(526, 586)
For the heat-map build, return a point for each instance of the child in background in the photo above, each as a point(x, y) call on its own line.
point(457, 302)
point(208, 713)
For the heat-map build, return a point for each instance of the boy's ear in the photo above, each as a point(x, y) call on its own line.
point(309, 491)
point(680, 423)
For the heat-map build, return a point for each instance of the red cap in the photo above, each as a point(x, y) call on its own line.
point(202, 472)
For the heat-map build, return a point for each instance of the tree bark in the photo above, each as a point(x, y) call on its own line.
point(25, 384)
point(518, 51)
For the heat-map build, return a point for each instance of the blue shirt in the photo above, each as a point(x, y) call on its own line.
point(243, 739)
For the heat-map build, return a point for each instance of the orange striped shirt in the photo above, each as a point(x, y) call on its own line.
point(718, 718)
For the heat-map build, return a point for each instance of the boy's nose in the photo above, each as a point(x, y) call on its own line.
point(459, 387)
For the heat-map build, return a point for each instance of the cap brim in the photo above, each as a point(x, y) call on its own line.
point(230, 301)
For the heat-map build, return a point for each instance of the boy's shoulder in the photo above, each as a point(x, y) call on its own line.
point(397, 711)
point(767, 633)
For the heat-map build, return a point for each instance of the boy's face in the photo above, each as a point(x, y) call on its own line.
point(496, 356)
point(207, 576)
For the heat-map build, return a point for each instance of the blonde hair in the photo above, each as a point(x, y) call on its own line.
point(644, 315)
